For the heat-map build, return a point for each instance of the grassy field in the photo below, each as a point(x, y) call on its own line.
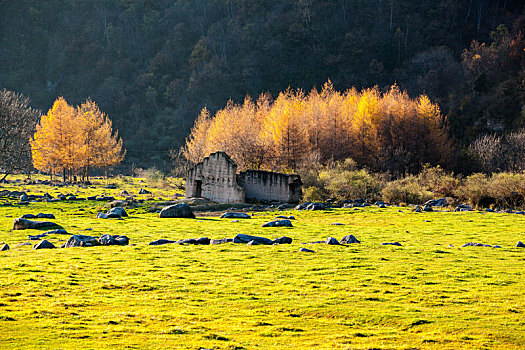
point(422, 295)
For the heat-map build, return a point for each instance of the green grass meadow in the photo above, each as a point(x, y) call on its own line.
point(423, 295)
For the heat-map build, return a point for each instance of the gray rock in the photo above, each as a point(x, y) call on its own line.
point(231, 215)
point(180, 210)
point(418, 209)
point(252, 243)
point(45, 216)
point(463, 207)
point(283, 240)
point(349, 239)
point(428, 208)
point(306, 250)
point(440, 202)
point(316, 206)
point(241, 238)
point(113, 240)
point(144, 191)
point(497, 246)
point(92, 198)
point(72, 198)
point(221, 241)
point(291, 217)
point(161, 242)
point(24, 198)
point(4, 247)
point(392, 243)
point(520, 244)
point(331, 241)
point(108, 216)
point(81, 241)
point(37, 237)
point(59, 231)
point(24, 224)
point(337, 224)
point(45, 244)
point(278, 223)
point(382, 206)
point(195, 241)
point(23, 244)
point(474, 244)
point(117, 211)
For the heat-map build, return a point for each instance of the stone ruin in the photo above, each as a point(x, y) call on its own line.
point(216, 179)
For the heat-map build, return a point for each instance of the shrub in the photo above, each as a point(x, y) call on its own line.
point(351, 184)
point(437, 180)
point(474, 189)
point(314, 194)
point(406, 191)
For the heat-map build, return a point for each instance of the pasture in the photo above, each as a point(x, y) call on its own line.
point(424, 294)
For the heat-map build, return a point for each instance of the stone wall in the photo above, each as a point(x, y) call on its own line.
point(215, 179)
point(270, 186)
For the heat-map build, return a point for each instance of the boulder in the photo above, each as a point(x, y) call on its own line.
point(92, 198)
point(418, 209)
point(37, 237)
point(4, 247)
point(382, 206)
point(231, 215)
point(291, 217)
point(440, 202)
point(161, 242)
point(38, 216)
point(45, 244)
point(332, 241)
point(59, 231)
point(143, 191)
point(306, 250)
point(221, 241)
point(24, 224)
point(108, 216)
point(348, 239)
point(392, 243)
point(283, 240)
point(520, 244)
point(278, 223)
point(81, 241)
point(195, 241)
point(24, 198)
point(252, 243)
point(117, 211)
point(113, 240)
point(428, 208)
point(316, 206)
point(463, 207)
point(244, 239)
point(180, 210)
point(474, 244)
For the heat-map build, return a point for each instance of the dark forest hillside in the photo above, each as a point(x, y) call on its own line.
point(152, 65)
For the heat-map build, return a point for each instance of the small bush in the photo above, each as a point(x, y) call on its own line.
point(351, 184)
point(406, 191)
point(438, 181)
point(315, 194)
point(501, 189)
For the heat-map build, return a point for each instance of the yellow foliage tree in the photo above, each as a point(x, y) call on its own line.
point(383, 131)
point(73, 140)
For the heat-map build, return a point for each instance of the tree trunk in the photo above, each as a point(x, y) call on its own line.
point(64, 174)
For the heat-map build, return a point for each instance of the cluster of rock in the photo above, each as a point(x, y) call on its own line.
point(85, 241)
point(240, 239)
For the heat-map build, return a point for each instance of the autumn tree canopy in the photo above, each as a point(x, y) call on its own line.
point(383, 131)
point(74, 140)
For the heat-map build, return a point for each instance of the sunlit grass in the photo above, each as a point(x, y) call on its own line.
point(424, 294)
